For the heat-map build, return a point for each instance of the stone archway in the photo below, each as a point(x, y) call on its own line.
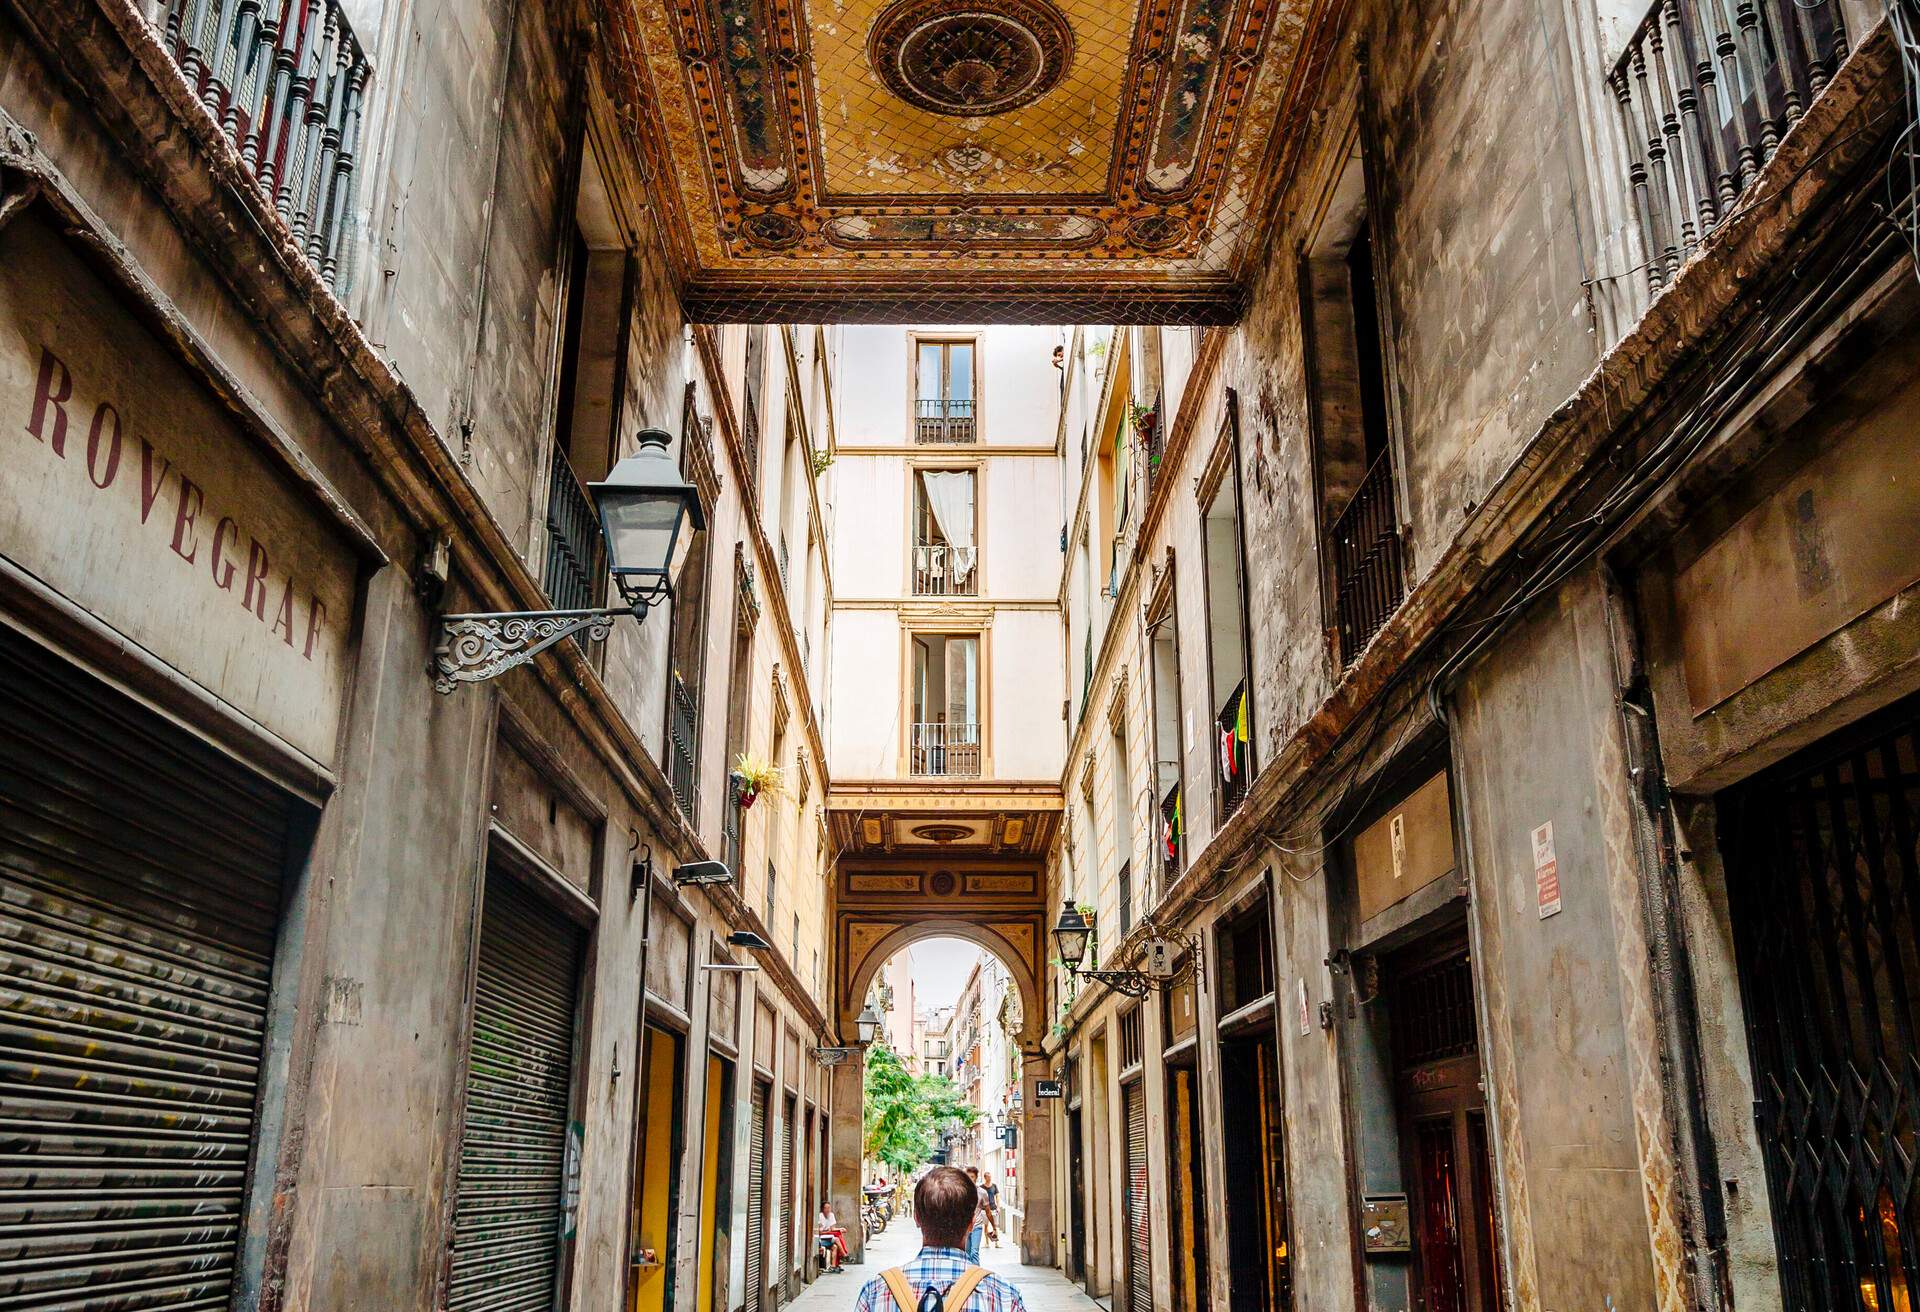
point(1011, 942)
point(960, 858)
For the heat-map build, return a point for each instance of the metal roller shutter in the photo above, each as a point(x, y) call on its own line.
point(786, 1191)
point(1139, 1259)
point(513, 1147)
point(756, 1201)
point(139, 900)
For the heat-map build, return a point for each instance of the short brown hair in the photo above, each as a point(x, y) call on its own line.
point(943, 1204)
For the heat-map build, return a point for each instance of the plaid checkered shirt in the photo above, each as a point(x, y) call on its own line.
point(939, 1268)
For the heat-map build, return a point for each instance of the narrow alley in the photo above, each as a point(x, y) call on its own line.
point(1288, 628)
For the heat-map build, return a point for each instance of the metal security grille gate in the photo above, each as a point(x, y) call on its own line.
point(786, 1190)
point(1823, 881)
point(513, 1146)
point(757, 1201)
point(139, 899)
point(1139, 1259)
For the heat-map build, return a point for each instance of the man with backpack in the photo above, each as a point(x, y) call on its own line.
point(941, 1278)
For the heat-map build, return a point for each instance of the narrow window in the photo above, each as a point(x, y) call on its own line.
point(586, 393)
point(1164, 658)
point(738, 697)
point(686, 670)
point(944, 392)
point(1360, 543)
point(1231, 736)
point(946, 705)
point(945, 552)
point(750, 396)
point(1123, 816)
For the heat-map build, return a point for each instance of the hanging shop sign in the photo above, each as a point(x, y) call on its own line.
point(1049, 1089)
point(132, 491)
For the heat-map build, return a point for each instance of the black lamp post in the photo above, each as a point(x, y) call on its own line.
point(648, 516)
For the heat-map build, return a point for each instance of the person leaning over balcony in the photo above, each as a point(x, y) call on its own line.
point(941, 1277)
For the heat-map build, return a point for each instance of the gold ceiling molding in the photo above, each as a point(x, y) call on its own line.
point(901, 160)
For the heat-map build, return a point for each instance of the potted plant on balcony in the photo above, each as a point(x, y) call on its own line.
point(1145, 420)
point(753, 775)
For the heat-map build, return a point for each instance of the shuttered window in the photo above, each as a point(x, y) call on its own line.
point(1139, 1260)
point(757, 1202)
point(139, 900)
point(513, 1146)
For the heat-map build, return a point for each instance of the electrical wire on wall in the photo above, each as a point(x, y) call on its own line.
point(1903, 170)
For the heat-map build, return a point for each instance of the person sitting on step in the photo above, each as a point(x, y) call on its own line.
point(940, 1278)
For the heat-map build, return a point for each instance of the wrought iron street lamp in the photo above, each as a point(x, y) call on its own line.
point(866, 1025)
point(648, 516)
point(1162, 960)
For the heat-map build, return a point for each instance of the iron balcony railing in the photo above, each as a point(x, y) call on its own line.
point(285, 79)
point(1236, 758)
point(683, 736)
point(574, 562)
point(730, 832)
point(943, 420)
point(951, 750)
point(941, 570)
point(1172, 831)
point(1364, 546)
point(1153, 442)
point(1707, 88)
point(750, 434)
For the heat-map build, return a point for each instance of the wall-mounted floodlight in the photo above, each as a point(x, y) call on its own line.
point(746, 938)
point(701, 873)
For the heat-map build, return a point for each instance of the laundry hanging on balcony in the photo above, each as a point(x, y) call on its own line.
point(1170, 828)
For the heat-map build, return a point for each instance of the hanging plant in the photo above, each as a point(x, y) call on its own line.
point(754, 775)
point(1144, 420)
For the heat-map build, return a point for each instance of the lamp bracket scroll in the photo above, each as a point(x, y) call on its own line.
point(475, 648)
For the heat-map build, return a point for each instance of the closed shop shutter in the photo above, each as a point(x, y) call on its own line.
point(757, 1201)
point(1139, 1262)
point(513, 1146)
point(140, 879)
point(786, 1191)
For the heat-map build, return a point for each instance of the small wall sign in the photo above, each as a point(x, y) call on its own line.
point(1049, 1089)
point(1546, 871)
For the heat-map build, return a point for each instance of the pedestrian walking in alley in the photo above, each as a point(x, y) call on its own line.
point(942, 1277)
point(992, 1192)
point(978, 1230)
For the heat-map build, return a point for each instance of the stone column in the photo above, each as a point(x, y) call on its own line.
point(844, 1136)
point(1036, 1163)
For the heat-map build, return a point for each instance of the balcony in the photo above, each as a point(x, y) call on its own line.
point(750, 434)
point(1706, 92)
point(942, 422)
point(1363, 545)
point(1172, 832)
point(574, 563)
point(1235, 761)
point(284, 79)
point(946, 750)
point(940, 570)
point(683, 730)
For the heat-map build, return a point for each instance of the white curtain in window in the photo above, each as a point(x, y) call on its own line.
point(950, 499)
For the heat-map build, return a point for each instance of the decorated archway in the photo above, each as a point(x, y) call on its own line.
point(965, 864)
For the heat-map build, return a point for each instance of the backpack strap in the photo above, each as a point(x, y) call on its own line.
point(962, 1289)
point(896, 1278)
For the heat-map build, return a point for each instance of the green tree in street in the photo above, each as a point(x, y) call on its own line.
point(904, 1112)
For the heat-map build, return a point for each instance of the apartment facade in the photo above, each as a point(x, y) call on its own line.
point(1482, 720)
point(305, 353)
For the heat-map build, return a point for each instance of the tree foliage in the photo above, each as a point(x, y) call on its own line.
point(904, 1112)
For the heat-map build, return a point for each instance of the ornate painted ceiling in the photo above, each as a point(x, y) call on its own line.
point(1041, 160)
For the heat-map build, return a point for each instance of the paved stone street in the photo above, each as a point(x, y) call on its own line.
point(1045, 1289)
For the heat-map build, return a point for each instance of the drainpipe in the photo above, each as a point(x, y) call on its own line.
point(1682, 1082)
